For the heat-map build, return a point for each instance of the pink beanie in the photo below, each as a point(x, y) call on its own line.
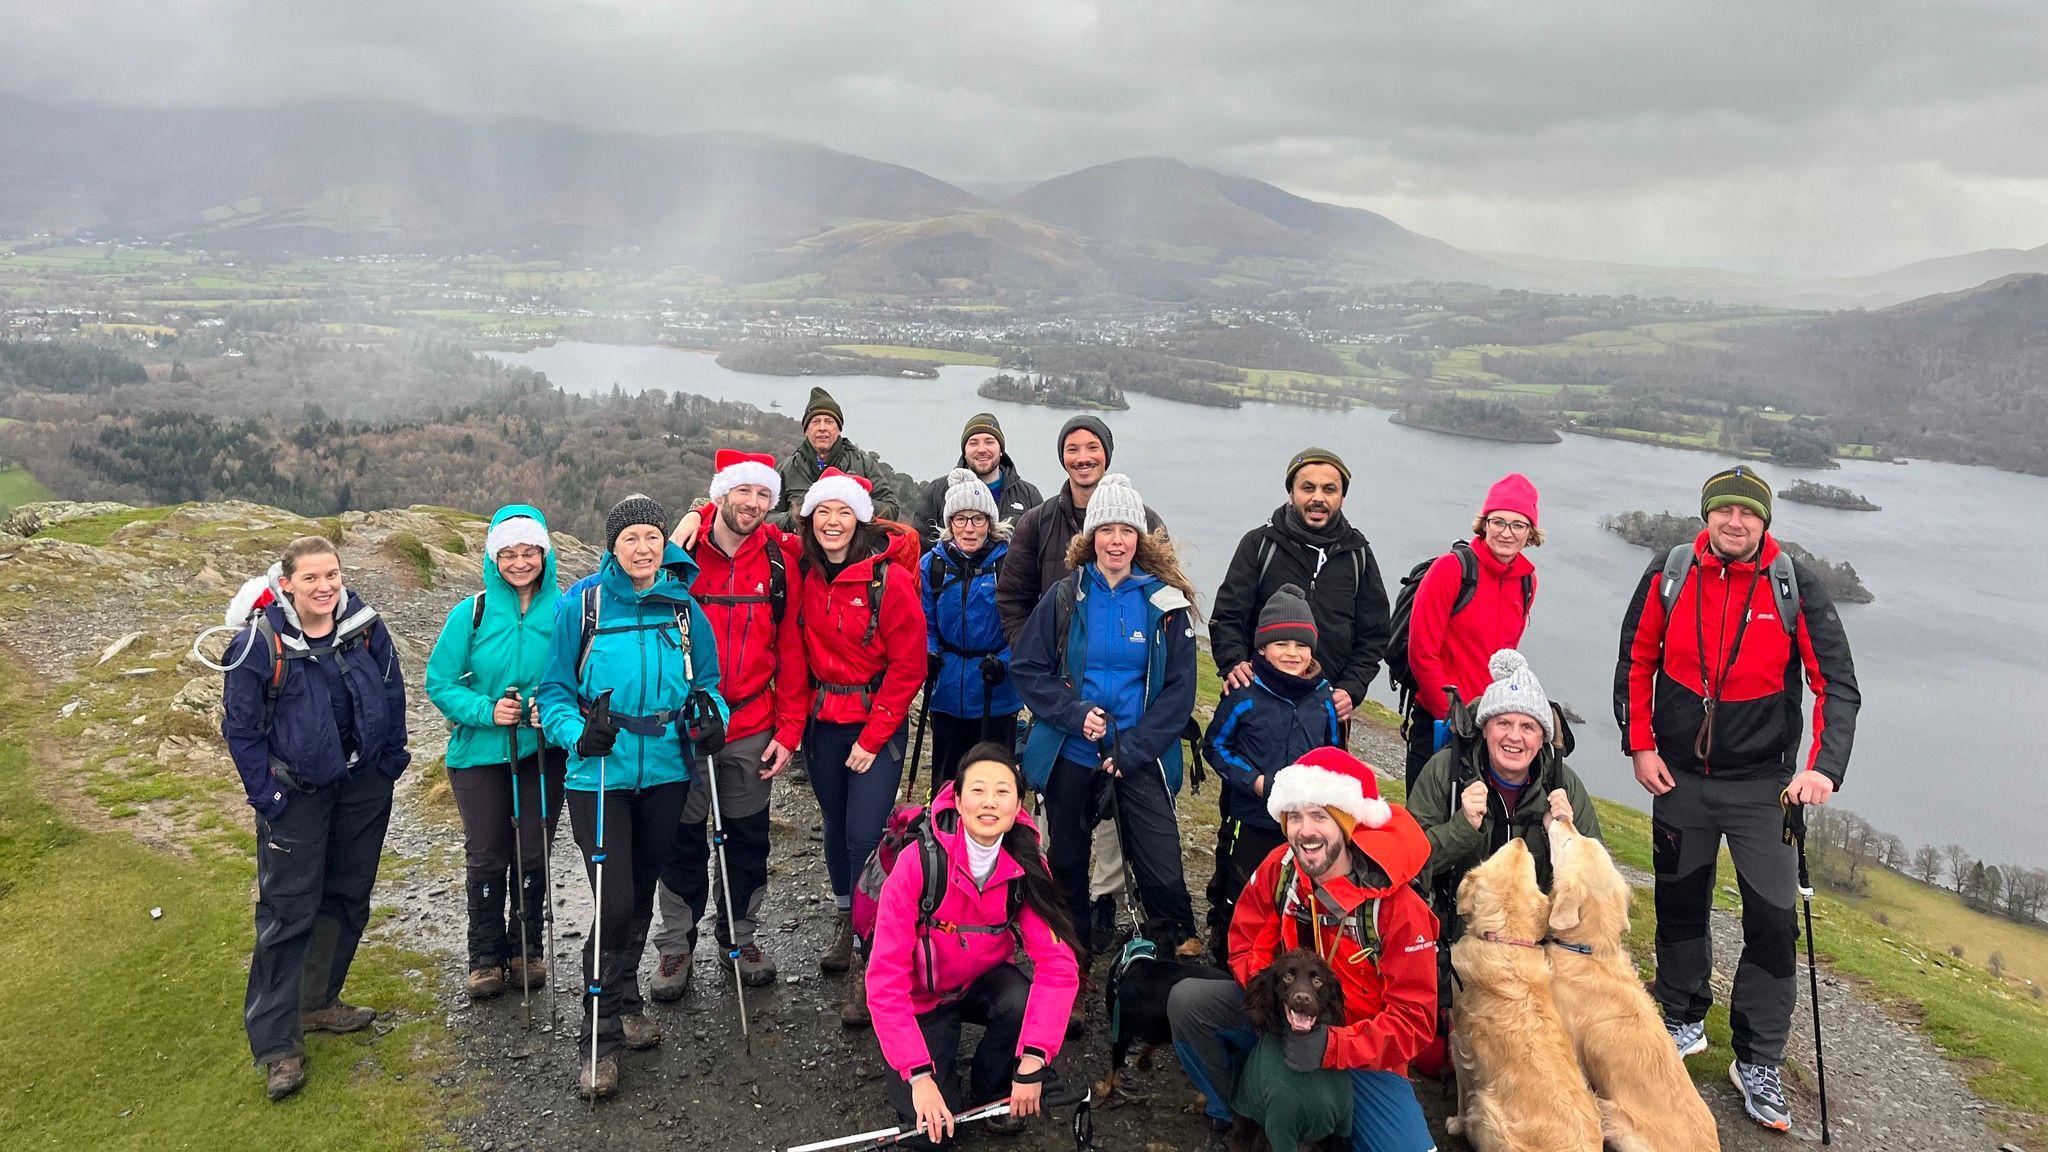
point(1511, 493)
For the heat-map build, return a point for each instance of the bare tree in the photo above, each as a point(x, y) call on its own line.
point(1958, 859)
point(1927, 863)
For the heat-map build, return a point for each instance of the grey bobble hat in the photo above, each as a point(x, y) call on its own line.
point(1515, 689)
point(1286, 616)
point(634, 509)
point(966, 493)
point(1114, 502)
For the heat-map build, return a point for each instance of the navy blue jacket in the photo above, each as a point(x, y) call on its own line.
point(302, 733)
point(961, 626)
point(1263, 727)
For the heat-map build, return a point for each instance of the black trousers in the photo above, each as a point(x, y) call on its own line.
point(952, 736)
point(688, 875)
point(483, 795)
point(315, 866)
point(995, 1001)
point(1240, 849)
point(1420, 736)
point(1146, 827)
point(639, 830)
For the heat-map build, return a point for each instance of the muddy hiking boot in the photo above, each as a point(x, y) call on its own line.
point(1763, 1094)
point(605, 1083)
point(339, 1017)
point(853, 1012)
point(756, 969)
point(641, 1032)
point(534, 968)
point(839, 957)
point(1690, 1039)
point(283, 1077)
point(488, 982)
point(671, 977)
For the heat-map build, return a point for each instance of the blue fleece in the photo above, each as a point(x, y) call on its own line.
point(961, 618)
point(1113, 677)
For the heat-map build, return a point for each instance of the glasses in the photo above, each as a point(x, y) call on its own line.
point(1510, 527)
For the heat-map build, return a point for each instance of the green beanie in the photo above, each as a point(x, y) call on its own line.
point(1307, 456)
point(1737, 485)
point(822, 401)
point(984, 422)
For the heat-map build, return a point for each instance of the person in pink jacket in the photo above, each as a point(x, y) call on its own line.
point(925, 980)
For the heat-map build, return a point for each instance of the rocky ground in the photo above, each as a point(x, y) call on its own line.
point(802, 1077)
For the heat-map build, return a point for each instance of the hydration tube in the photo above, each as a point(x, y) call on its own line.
point(239, 660)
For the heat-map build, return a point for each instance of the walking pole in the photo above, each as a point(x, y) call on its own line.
point(1795, 833)
point(519, 862)
point(732, 935)
point(603, 708)
point(924, 712)
point(547, 872)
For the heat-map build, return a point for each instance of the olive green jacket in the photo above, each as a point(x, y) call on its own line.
point(1455, 846)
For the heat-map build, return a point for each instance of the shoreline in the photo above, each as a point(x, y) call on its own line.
point(1405, 421)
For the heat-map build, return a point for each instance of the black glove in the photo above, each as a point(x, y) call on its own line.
point(1304, 1050)
point(991, 670)
point(932, 663)
point(703, 725)
point(599, 733)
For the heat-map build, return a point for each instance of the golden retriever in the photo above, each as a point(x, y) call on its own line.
point(1519, 1088)
point(1647, 1102)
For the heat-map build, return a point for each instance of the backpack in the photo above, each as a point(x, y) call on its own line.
point(875, 586)
point(345, 639)
point(777, 596)
point(1784, 584)
point(1364, 927)
point(911, 826)
point(1267, 546)
point(1399, 672)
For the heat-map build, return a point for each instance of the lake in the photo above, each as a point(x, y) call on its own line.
point(1948, 656)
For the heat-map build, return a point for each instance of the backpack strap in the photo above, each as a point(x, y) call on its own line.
point(476, 614)
point(1785, 590)
point(876, 584)
point(1468, 576)
point(1266, 550)
point(778, 583)
point(1677, 566)
point(273, 684)
point(589, 632)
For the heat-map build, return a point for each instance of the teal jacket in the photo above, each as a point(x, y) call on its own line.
point(640, 655)
point(471, 667)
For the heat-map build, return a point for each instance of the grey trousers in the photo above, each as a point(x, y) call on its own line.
point(743, 801)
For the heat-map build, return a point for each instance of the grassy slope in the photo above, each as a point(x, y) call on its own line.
point(19, 486)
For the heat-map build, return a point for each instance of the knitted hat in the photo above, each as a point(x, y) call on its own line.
point(513, 531)
point(856, 492)
point(1514, 689)
point(966, 493)
point(1737, 485)
point(822, 401)
point(1091, 424)
point(984, 422)
point(736, 468)
point(1114, 502)
point(1511, 493)
point(634, 509)
point(1334, 779)
point(1285, 617)
point(1307, 456)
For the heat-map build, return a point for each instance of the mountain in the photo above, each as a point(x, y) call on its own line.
point(1945, 274)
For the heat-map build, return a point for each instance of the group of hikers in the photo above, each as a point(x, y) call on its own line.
point(791, 619)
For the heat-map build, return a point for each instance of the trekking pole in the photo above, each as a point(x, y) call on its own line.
point(519, 861)
point(924, 712)
point(1795, 833)
point(603, 708)
point(547, 869)
point(732, 935)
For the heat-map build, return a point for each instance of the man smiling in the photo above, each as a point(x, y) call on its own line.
point(987, 454)
point(825, 446)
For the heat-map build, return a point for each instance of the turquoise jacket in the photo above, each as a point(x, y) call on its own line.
point(640, 655)
point(471, 667)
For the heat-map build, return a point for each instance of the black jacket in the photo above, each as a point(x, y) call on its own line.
point(1037, 559)
point(1019, 496)
point(1347, 597)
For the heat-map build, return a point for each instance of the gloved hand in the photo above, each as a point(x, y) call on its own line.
point(703, 726)
point(932, 663)
point(1304, 1050)
point(599, 733)
point(991, 670)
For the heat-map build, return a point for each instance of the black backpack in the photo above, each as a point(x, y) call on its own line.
point(777, 597)
point(1399, 672)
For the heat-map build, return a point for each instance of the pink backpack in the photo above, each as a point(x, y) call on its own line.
point(911, 825)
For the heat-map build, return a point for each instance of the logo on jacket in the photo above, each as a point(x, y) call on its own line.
point(1422, 944)
point(1137, 636)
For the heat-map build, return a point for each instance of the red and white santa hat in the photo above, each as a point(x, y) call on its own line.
point(856, 492)
point(732, 469)
point(1334, 779)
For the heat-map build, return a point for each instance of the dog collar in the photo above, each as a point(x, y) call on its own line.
point(1581, 949)
point(1497, 938)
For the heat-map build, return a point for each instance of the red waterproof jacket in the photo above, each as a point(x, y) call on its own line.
point(855, 677)
point(1723, 638)
point(1389, 981)
point(1446, 650)
point(760, 665)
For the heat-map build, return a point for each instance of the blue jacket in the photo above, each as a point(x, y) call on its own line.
point(1149, 710)
point(1263, 727)
point(961, 626)
point(638, 654)
point(302, 735)
point(470, 668)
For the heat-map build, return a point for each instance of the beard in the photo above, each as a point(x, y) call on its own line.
point(732, 523)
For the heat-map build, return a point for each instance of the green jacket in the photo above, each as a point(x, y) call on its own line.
point(800, 470)
point(1455, 847)
point(471, 668)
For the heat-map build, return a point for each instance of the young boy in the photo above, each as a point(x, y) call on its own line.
point(1259, 729)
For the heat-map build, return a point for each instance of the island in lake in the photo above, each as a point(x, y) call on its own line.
point(1660, 532)
point(1825, 495)
point(1055, 391)
point(1479, 419)
point(803, 358)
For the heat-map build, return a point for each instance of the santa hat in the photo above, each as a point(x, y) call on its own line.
point(1334, 779)
point(856, 492)
point(730, 469)
point(513, 531)
point(255, 594)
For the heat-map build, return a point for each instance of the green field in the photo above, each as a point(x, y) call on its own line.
point(906, 352)
point(19, 486)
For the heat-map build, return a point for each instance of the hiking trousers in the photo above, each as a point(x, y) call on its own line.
point(639, 829)
point(1149, 831)
point(855, 804)
point(952, 736)
point(315, 866)
point(688, 879)
point(1240, 849)
point(1687, 826)
point(995, 1001)
point(1212, 1038)
point(483, 796)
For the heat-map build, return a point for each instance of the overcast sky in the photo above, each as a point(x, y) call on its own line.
point(1787, 136)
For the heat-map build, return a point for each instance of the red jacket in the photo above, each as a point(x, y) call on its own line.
point(761, 671)
point(1390, 1000)
point(1446, 650)
point(888, 669)
point(1666, 665)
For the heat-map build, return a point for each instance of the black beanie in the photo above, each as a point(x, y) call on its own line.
point(1092, 424)
point(634, 509)
point(1285, 617)
point(984, 422)
point(1307, 456)
point(1737, 485)
point(822, 401)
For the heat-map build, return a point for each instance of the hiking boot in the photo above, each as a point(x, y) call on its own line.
point(854, 1012)
point(1077, 1019)
point(1004, 1125)
point(486, 983)
point(605, 1083)
point(839, 957)
point(671, 977)
point(1691, 1039)
point(1102, 925)
point(533, 968)
point(756, 969)
point(283, 1077)
point(1763, 1094)
point(1218, 1138)
point(641, 1033)
point(338, 1017)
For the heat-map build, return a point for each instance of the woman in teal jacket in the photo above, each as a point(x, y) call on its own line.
point(492, 644)
point(631, 663)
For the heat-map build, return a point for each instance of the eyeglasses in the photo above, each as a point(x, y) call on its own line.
point(1510, 527)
